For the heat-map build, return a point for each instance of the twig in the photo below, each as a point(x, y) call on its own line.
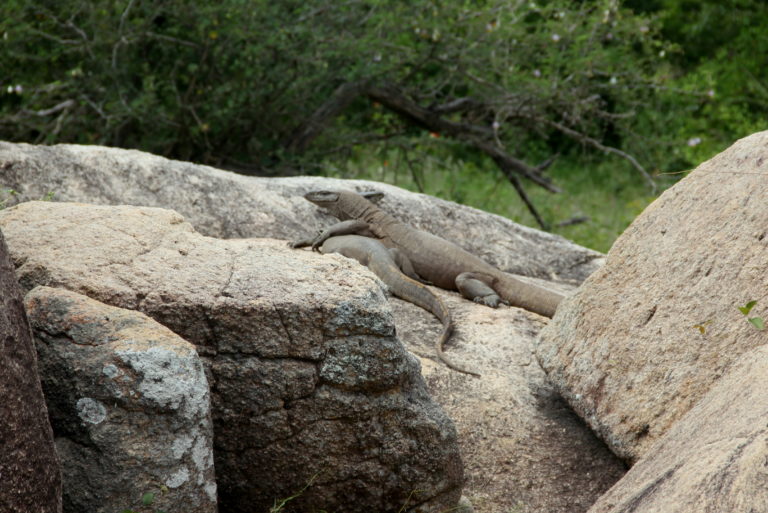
point(607, 149)
point(53, 110)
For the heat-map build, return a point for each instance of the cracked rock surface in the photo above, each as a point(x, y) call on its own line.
point(129, 404)
point(30, 481)
point(309, 384)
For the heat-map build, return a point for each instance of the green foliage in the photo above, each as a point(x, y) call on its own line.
point(228, 82)
point(716, 87)
point(607, 192)
point(6, 195)
point(670, 82)
point(748, 307)
point(279, 505)
point(757, 322)
point(148, 498)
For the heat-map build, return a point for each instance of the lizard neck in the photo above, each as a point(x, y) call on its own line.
point(362, 209)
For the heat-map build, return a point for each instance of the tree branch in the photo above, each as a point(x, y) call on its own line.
point(607, 149)
point(303, 136)
point(480, 137)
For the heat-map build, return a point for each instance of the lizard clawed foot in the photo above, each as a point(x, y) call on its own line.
point(298, 244)
point(491, 300)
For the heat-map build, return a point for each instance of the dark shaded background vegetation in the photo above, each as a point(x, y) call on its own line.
point(499, 104)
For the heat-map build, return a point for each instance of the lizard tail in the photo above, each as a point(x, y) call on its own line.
point(440, 344)
point(430, 302)
point(417, 293)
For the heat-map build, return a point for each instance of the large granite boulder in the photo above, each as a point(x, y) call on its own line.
point(524, 450)
point(30, 480)
point(129, 404)
point(311, 391)
point(648, 335)
point(713, 458)
point(226, 205)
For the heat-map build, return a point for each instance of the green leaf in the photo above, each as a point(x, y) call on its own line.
point(757, 322)
point(746, 308)
point(148, 498)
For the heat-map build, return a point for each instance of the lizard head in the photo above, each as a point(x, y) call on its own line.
point(338, 202)
point(324, 199)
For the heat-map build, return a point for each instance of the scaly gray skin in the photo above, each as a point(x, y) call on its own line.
point(396, 271)
point(436, 260)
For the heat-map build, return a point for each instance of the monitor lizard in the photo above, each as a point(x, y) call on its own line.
point(434, 259)
point(396, 271)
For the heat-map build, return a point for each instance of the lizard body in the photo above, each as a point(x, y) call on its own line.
point(395, 270)
point(434, 259)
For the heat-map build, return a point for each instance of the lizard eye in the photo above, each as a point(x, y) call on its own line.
point(372, 196)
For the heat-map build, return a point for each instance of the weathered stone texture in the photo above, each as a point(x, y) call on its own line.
point(646, 336)
point(30, 481)
point(308, 382)
point(713, 459)
point(129, 404)
point(524, 450)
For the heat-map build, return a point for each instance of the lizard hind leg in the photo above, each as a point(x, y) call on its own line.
point(405, 265)
point(477, 287)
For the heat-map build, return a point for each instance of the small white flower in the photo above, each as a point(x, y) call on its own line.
point(555, 37)
point(496, 125)
point(536, 73)
point(711, 93)
point(694, 141)
point(18, 89)
point(377, 57)
point(644, 29)
point(613, 80)
point(10, 89)
point(662, 53)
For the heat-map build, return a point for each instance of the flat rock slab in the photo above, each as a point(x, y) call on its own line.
point(713, 459)
point(129, 403)
point(226, 205)
point(524, 450)
point(310, 388)
point(648, 335)
point(30, 479)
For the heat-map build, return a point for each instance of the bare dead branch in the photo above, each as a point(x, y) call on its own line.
point(607, 149)
point(303, 136)
point(393, 98)
point(53, 110)
point(515, 181)
point(457, 105)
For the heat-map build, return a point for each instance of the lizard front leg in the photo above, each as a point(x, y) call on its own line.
point(351, 227)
